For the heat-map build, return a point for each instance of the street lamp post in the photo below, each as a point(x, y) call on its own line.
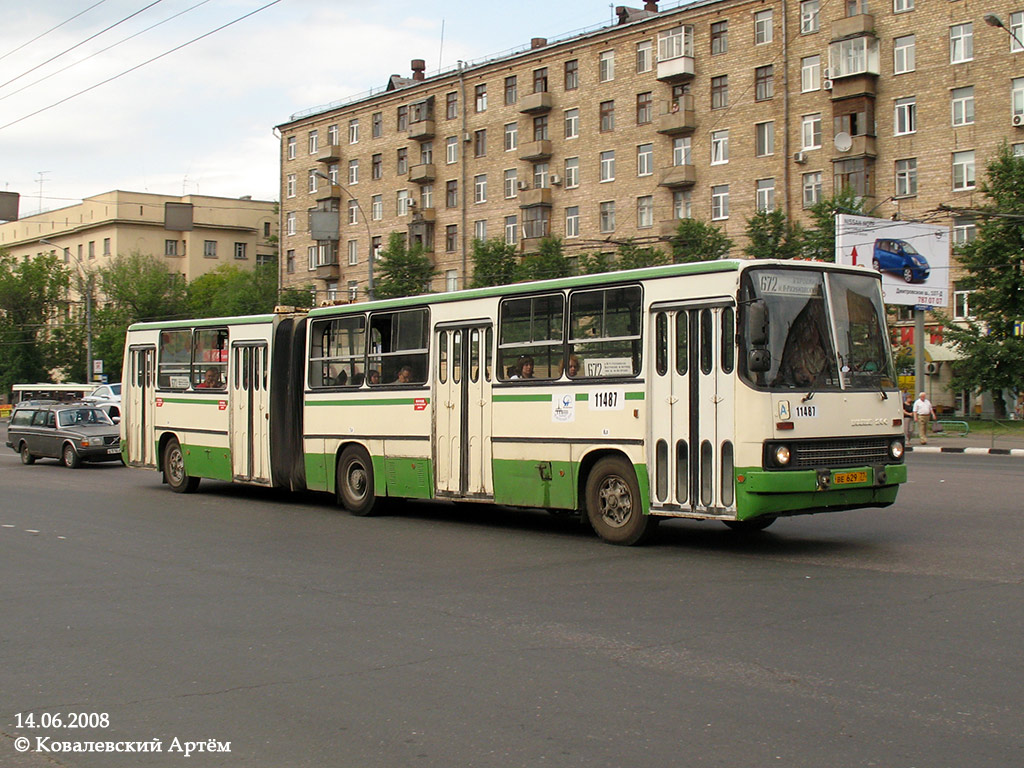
point(994, 21)
point(369, 234)
point(87, 284)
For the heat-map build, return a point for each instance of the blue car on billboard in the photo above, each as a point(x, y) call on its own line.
point(901, 258)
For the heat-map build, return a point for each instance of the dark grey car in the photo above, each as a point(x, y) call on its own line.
point(71, 433)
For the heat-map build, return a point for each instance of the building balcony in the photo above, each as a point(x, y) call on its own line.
point(678, 176)
point(330, 192)
point(678, 117)
point(536, 103)
point(852, 26)
point(330, 153)
point(328, 271)
point(425, 215)
point(860, 146)
point(676, 70)
point(528, 198)
point(421, 130)
point(864, 84)
point(535, 150)
point(422, 174)
point(668, 227)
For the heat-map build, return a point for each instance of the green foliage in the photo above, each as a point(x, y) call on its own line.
point(698, 241)
point(32, 291)
point(229, 291)
point(143, 288)
point(494, 263)
point(994, 357)
point(300, 298)
point(633, 256)
point(549, 262)
point(596, 263)
point(772, 236)
point(820, 240)
point(403, 271)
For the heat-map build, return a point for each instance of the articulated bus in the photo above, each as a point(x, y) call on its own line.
point(738, 391)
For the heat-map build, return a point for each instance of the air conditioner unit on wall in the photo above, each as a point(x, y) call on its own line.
point(1018, 121)
point(556, 180)
point(827, 85)
point(521, 185)
point(800, 157)
point(931, 368)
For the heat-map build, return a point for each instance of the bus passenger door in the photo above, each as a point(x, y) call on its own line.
point(692, 402)
point(138, 406)
point(249, 403)
point(462, 413)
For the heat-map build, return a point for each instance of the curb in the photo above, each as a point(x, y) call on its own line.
point(1018, 452)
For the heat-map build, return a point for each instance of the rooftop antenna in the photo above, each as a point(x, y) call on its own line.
point(42, 179)
point(440, 53)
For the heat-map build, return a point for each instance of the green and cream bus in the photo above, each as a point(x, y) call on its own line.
point(738, 391)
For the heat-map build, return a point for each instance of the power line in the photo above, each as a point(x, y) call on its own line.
point(139, 66)
point(81, 43)
point(103, 50)
point(51, 29)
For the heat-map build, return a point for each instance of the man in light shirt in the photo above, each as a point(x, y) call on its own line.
point(922, 415)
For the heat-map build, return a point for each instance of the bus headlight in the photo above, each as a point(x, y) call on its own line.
point(781, 455)
point(896, 449)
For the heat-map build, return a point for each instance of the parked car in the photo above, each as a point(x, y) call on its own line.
point(107, 397)
point(71, 433)
point(901, 258)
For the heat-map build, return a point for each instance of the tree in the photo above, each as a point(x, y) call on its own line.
point(549, 262)
point(403, 271)
point(819, 242)
point(494, 263)
point(697, 241)
point(229, 290)
point(993, 355)
point(144, 288)
point(32, 293)
point(300, 298)
point(633, 256)
point(596, 263)
point(772, 236)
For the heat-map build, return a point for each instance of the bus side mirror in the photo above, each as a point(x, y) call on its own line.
point(759, 360)
point(757, 323)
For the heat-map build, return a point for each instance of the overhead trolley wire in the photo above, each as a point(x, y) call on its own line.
point(51, 29)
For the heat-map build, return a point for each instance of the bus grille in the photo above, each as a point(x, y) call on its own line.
point(848, 452)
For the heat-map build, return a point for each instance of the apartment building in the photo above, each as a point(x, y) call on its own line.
point(711, 110)
point(193, 233)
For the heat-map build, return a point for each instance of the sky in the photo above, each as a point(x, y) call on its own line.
point(200, 120)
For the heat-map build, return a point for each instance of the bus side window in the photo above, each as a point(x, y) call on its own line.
point(175, 359)
point(400, 340)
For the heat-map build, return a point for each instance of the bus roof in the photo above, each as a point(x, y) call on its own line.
point(202, 321)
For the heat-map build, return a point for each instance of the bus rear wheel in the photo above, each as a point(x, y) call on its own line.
point(354, 482)
point(174, 469)
point(613, 503)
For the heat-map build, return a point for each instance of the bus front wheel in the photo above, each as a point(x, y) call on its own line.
point(613, 503)
point(354, 482)
point(174, 469)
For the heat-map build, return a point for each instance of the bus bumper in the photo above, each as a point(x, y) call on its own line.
point(798, 492)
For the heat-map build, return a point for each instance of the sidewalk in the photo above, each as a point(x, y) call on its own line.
point(997, 444)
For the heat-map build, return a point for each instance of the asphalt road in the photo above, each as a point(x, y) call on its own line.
point(453, 636)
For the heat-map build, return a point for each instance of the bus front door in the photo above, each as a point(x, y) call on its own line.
point(138, 406)
point(692, 402)
point(250, 413)
point(462, 411)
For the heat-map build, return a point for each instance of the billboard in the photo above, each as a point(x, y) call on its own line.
point(913, 258)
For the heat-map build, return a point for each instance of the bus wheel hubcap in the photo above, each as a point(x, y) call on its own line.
point(616, 501)
point(357, 481)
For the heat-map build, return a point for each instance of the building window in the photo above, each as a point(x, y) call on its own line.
point(607, 114)
point(607, 216)
point(426, 196)
point(511, 90)
point(1017, 97)
point(809, 16)
point(902, 6)
point(765, 195)
point(427, 153)
point(403, 202)
point(451, 194)
point(572, 172)
point(645, 212)
point(480, 229)
point(961, 302)
point(511, 136)
point(720, 202)
point(853, 56)
point(402, 118)
point(643, 56)
point(480, 143)
point(289, 261)
point(451, 105)
point(644, 108)
point(210, 249)
point(353, 253)
point(854, 174)
point(572, 123)
point(675, 42)
point(719, 147)
point(332, 173)
point(353, 211)
point(291, 148)
point(540, 80)
point(810, 131)
point(764, 139)
point(572, 221)
point(606, 66)
point(353, 171)
point(762, 27)
point(905, 119)
point(170, 248)
point(810, 74)
point(289, 185)
point(811, 183)
point(451, 238)
point(963, 106)
point(857, 119)
point(510, 179)
point(681, 151)
point(353, 132)
point(377, 124)
point(480, 188)
point(402, 161)
point(719, 92)
point(608, 165)
point(311, 181)
point(682, 204)
point(480, 102)
point(333, 134)
point(314, 142)
point(963, 170)
point(540, 128)
point(572, 75)
point(511, 230)
point(541, 176)
point(451, 280)
point(290, 223)
point(537, 222)
point(906, 177)
point(903, 53)
point(961, 43)
point(645, 160)
point(764, 83)
point(719, 37)
point(377, 166)
point(451, 150)
point(377, 207)
point(964, 230)
point(1017, 32)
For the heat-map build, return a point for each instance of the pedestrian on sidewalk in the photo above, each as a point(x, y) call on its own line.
point(908, 417)
point(923, 413)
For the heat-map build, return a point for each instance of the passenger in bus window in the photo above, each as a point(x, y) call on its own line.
point(404, 375)
point(211, 380)
point(373, 377)
point(571, 367)
point(341, 379)
point(357, 380)
point(524, 368)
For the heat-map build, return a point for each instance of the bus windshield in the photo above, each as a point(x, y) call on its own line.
point(825, 331)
